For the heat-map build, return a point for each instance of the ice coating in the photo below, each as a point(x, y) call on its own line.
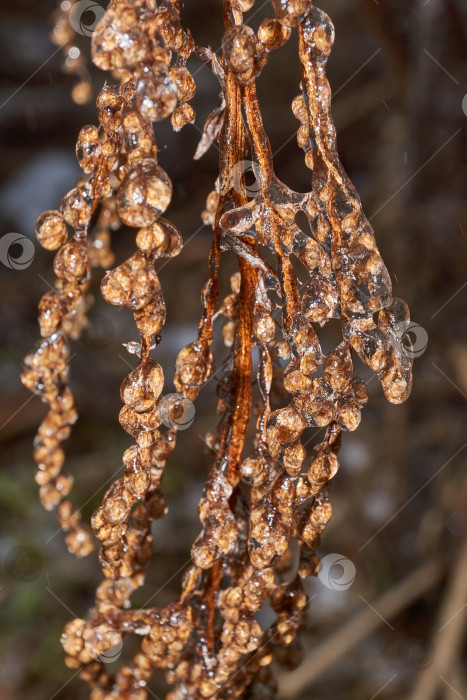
point(265, 503)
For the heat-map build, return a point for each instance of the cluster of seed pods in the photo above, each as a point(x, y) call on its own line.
point(265, 503)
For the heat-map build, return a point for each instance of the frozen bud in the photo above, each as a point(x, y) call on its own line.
point(309, 160)
point(306, 341)
point(132, 123)
point(138, 138)
point(109, 108)
point(268, 537)
point(299, 109)
point(160, 238)
point(283, 495)
point(193, 367)
point(121, 39)
point(272, 34)
point(68, 517)
point(134, 284)
point(293, 458)
point(295, 382)
point(239, 46)
point(152, 239)
point(79, 542)
point(144, 194)
point(322, 468)
point(320, 301)
point(51, 230)
point(88, 148)
point(156, 95)
point(232, 597)
point(291, 12)
point(52, 493)
point(322, 511)
point(308, 563)
point(169, 27)
point(396, 380)
point(247, 634)
point(254, 471)
point(134, 392)
point(283, 349)
point(76, 206)
point(217, 539)
point(243, 5)
point(208, 687)
point(347, 413)
point(150, 319)
point(72, 637)
point(318, 32)
point(316, 406)
point(367, 286)
point(303, 135)
point(374, 348)
point(43, 476)
point(181, 116)
point(264, 328)
point(303, 490)
point(285, 425)
point(208, 216)
point(395, 318)
point(184, 81)
point(116, 510)
point(50, 312)
point(360, 390)
point(229, 306)
point(71, 261)
point(338, 368)
point(313, 256)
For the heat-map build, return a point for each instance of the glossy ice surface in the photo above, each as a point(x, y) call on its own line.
point(264, 499)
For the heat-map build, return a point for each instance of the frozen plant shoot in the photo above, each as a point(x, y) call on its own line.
point(265, 502)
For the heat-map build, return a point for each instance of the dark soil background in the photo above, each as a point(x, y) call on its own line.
point(399, 77)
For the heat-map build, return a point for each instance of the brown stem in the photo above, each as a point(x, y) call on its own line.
point(242, 371)
point(286, 273)
point(210, 600)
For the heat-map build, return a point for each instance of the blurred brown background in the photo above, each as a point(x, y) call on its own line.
point(399, 76)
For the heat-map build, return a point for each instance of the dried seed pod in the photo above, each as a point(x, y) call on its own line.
point(243, 5)
point(181, 116)
point(51, 230)
point(159, 239)
point(184, 82)
point(88, 148)
point(76, 206)
point(291, 12)
point(156, 95)
point(272, 33)
point(133, 284)
point(239, 47)
point(71, 261)
point(144, 194)
point(109, 108)
point(119, 40)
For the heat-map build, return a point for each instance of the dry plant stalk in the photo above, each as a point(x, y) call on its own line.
point(263, 500)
